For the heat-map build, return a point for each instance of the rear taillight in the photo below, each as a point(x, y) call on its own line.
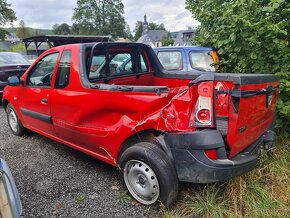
point(202, 114)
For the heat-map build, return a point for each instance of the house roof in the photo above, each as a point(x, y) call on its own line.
point(145, 39)
point(152, 36)
point(156, 35)
point(179, 41)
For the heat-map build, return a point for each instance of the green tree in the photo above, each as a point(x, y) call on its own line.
point(152, 26)
point(7, 16)
point(138, 30)
point(155, 26)
point(18, 47)
point(100, 17)
point(128, 32)
point(75, 30)
point(161, 27)
point(251, 36)
point(62, 29)
point(22, 31)
point(167, 40)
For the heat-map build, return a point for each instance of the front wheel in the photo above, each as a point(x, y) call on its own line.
point(14, 122)
point(149, 174)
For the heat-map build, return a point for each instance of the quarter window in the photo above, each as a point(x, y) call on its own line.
point(63, 72)
point(41, 74)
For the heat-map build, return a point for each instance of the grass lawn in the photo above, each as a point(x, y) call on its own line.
point(264, 192)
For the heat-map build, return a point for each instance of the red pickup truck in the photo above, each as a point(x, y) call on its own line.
point(115, 102)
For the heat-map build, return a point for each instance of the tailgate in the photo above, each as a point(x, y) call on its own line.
point(250, 101)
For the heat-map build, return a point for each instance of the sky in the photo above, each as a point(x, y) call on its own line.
point(45, 13)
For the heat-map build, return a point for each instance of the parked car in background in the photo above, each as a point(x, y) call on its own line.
point(193, 59)
point(11, 64)
point(31, 58)
point(10, 205)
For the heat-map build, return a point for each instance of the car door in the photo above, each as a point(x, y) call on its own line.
point(35, 106)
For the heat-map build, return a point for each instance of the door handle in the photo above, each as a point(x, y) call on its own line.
point(44, 100)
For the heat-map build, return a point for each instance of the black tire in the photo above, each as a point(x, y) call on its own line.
point(14, 122)
point(145, 161)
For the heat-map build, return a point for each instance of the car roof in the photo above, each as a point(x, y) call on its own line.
point(9, 52)
point(191, 48)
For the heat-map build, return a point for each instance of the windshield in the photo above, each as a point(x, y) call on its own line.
point(7, 58)
point(202, 61)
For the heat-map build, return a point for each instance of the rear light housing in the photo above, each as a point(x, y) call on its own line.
point(202, 114)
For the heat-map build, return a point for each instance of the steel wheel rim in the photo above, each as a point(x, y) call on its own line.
point(141, 182)
point(13, 122)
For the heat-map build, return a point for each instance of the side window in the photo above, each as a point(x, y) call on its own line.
point(63, 72)
point(171, 60)
point(42, 72)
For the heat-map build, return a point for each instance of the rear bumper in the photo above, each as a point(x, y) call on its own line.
point(192, 164)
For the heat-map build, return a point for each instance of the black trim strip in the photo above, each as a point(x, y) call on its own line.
point(39, 116)
point(248, 93)
point(157, 89)
point(238, 79)
point(198, 140)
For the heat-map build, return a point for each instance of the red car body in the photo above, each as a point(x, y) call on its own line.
point(209, 124)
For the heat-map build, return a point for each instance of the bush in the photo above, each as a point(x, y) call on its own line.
point(18, 47)
point(251, 37)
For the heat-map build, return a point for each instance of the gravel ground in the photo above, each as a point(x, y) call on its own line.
point(56, 181)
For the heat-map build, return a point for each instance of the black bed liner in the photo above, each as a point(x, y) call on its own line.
point(238, 79)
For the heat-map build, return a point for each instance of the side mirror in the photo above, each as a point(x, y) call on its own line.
point(10, 205)
point(14, 81)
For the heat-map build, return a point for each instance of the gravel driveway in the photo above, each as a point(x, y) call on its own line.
point(56, 181)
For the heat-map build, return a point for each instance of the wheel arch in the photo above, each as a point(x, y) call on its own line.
point(150, 135)
point(5, 102)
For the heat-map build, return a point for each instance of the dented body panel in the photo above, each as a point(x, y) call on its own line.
point(98, 116)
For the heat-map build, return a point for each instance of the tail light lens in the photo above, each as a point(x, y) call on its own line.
point(202, 114)
point(211, 154)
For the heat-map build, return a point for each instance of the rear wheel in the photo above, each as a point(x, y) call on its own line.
point(14, 122)
point(149, 174)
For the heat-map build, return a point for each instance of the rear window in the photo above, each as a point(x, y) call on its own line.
point(7, 58)
point(202, 61)
point(171, 60)
point(119, 64)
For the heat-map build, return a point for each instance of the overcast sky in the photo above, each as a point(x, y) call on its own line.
point(46, 13)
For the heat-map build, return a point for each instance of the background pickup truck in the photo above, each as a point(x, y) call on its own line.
point(193, 59)
point(115, 102)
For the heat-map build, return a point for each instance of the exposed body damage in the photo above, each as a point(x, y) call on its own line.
point(115, 102)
